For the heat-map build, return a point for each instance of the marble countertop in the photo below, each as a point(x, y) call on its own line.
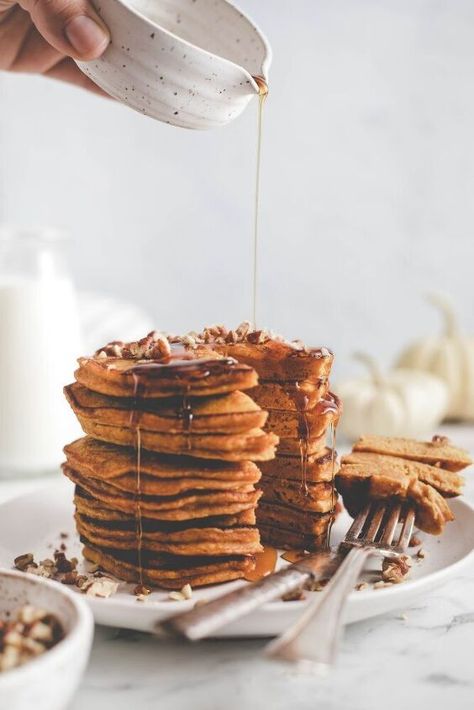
point(420, 657)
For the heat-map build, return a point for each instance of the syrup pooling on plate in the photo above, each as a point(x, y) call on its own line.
point(262, 95)
point(265, 563)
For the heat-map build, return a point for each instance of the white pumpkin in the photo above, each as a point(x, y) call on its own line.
point(449, 356)
point(401, 403)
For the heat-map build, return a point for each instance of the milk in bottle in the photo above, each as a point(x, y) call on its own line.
point(39, 341)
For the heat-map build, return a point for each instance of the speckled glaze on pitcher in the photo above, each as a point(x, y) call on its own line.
point(189, 63)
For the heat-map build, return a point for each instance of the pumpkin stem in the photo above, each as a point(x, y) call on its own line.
point(372, 366)
point(451, 326)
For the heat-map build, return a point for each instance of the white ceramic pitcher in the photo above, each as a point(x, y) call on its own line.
point(190, 63)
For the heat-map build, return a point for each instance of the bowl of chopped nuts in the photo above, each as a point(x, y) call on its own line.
point(46, 634)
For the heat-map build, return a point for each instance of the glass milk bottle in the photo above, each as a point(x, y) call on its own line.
point(39, 344)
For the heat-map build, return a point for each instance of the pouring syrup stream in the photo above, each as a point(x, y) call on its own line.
point(262, 95)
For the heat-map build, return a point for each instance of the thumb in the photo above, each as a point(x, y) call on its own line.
point(71, 26)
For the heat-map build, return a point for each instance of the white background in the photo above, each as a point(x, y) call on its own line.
point(367, 181)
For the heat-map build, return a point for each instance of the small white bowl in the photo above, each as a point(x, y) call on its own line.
point(49, 681)
point(190, 63)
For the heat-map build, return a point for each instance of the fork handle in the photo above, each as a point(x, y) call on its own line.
point(314, 637)
point(204, 620)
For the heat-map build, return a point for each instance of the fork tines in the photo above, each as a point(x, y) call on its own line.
point(376, 525)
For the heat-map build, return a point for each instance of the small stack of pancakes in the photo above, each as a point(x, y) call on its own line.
point(423, 473)
point(165, 481)
point(298, 499)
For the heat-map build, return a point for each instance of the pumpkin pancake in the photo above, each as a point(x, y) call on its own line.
point(291, 446)
point(438, 452)
point(198, 572)
point(234, 412)
point(316, 497)
point(360, 483)
point(448, 483)
point(90, 507)
point(152, 486)
point(312, 423)
point(254, 445)
point(285, 539)
point(192, 541)
point(285, 516)
point(319, 467)
point(192, 504)
point(277, 361)
point(185, 372)
point(286, 395)
point(99, 459)
point(179, 480)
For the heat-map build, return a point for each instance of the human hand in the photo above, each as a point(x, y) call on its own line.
point(42, 37)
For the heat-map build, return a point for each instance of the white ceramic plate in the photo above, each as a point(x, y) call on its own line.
point(34, 522)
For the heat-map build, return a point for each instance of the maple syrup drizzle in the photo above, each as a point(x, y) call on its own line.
point(262, 95)
point(139, 507)
point(301, 402)
point(333, 434)
point(134, 423)
point(265, 563)
point(187, 417)
point(175, 366)
point(185, 370)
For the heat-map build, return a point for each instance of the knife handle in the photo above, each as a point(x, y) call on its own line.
point(204, 620)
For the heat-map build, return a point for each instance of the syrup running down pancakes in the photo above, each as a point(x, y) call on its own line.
point(293, 388)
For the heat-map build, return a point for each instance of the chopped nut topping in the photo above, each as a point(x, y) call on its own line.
point(62, 563)
point(219, 335)
point(231, 337)
point(257, 337)
point(69, 577)
point(64, 570)
point(41, 570)
point(421, 553)
point(295, 596)
point(23, 561)
point(362, 586)
point(102, 587)
point(396, 570)
point(187, 591)
point(32, 632)
point(154, 346)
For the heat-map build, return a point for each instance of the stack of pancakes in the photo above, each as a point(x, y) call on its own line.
point(165, 481)
point(298, 499)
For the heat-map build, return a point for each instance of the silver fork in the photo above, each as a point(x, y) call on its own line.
point(313, 640)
